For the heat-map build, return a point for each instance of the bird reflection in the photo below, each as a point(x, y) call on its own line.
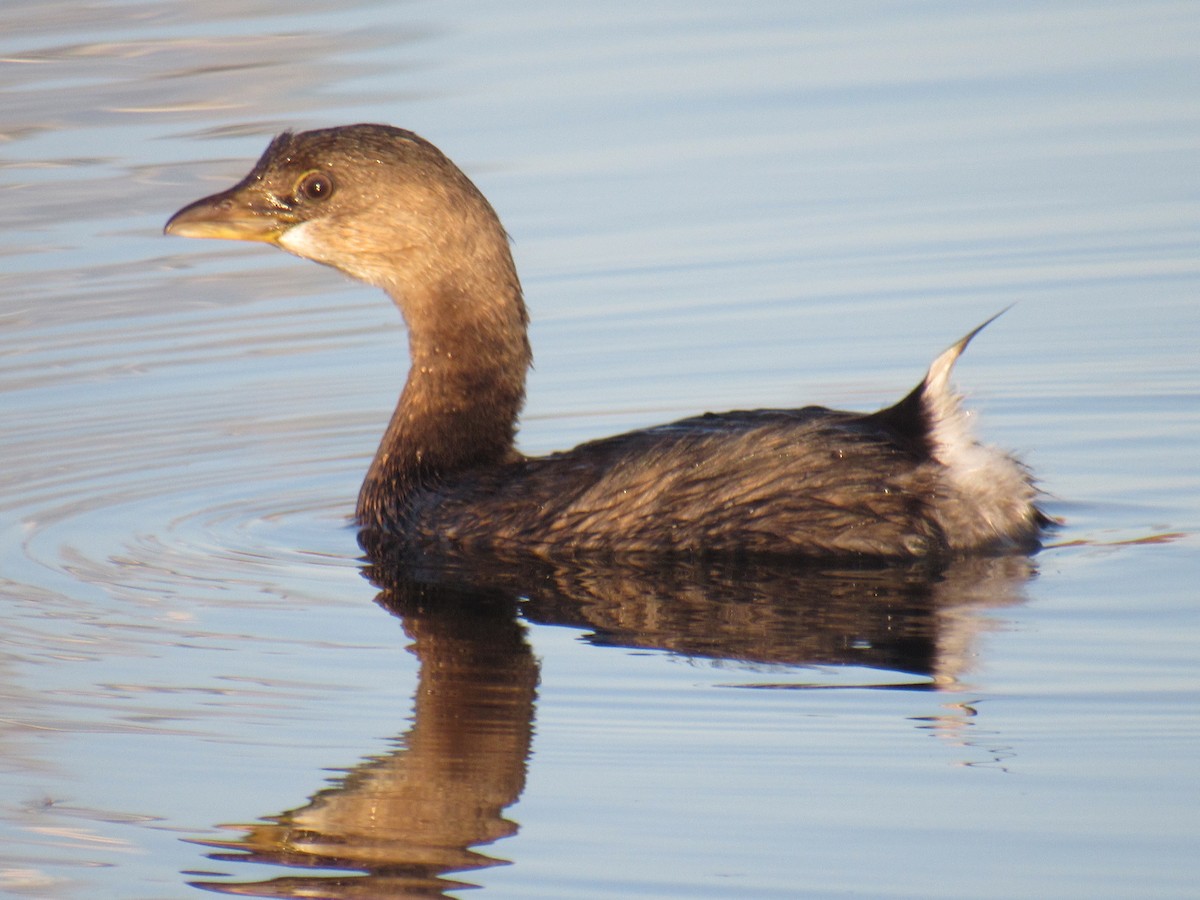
point(405, 824)
point(902, 619)
point(405, 818)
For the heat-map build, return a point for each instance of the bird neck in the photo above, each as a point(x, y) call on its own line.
point(469, 353)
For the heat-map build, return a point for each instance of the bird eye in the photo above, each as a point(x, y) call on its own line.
point(314, 186)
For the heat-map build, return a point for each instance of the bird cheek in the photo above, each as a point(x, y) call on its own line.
point(299, 240)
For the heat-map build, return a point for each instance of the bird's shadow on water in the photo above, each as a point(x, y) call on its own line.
point(402, 823)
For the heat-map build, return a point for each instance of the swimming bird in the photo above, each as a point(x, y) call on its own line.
point(386, 207)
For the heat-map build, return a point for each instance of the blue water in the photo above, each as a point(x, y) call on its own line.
point(711, 207)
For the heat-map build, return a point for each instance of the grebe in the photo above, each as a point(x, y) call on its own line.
point(386, 207)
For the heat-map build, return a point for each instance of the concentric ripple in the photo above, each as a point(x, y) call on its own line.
point(175, 473)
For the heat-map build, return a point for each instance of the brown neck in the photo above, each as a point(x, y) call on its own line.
point(466, 384)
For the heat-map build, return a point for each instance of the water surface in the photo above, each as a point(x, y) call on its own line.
point(204, 688)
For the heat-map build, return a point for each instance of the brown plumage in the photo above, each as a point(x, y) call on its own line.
point(386, 207)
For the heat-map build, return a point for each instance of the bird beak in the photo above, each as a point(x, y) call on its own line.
point(242, 213)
